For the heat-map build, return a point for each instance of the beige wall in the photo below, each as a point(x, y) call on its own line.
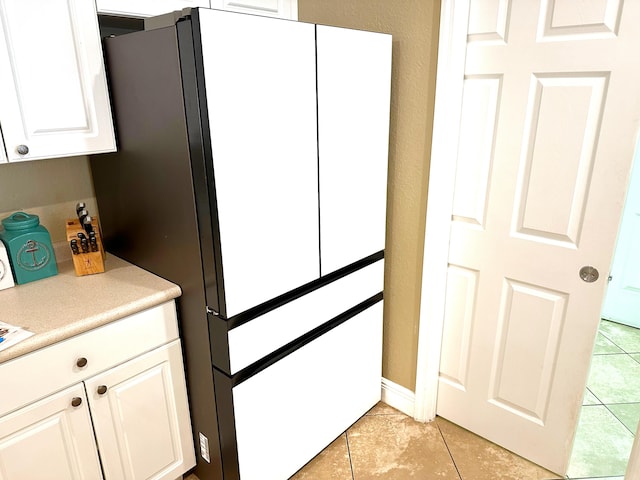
point(47, 188)
point(414, 26)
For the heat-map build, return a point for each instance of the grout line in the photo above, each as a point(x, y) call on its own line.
point(453, 460)
point(346, 436)
point(616, 417)
point(597, 398)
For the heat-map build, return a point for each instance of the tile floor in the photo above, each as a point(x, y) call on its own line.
point(611, 406)
point(386, 444)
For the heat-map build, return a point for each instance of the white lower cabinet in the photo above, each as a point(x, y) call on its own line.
point(134, 413)
point(141, 418)
point(49, 439)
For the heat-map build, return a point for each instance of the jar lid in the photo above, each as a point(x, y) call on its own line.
point(20, 221)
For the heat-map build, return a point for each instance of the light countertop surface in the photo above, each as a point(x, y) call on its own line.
point(65, 305)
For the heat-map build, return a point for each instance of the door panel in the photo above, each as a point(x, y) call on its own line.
point(462, 286)
point(264, 146)
point(563, 18)
point(561, 134)
point(549, 120)
point(530, 317)
point(488, 20)
point(475, 153)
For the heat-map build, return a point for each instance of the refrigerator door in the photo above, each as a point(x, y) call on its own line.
point(354, 74)
point(259, 75)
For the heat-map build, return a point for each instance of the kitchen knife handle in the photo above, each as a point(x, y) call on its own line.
point(82, 214)
point(86, 224)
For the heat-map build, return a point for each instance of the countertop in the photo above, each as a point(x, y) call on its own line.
point(65, 305)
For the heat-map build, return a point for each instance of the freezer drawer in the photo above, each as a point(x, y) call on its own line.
point(255, 339)
point(289, 412)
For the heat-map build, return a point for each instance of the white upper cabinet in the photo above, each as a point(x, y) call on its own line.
point(148, 8)
point(272, 8)
point(145, 8)
point(53, 90)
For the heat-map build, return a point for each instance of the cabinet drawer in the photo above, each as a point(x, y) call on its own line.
point(314, 394)
point(40, 373)
point(259, 337)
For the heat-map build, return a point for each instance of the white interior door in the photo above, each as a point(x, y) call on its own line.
point(622, 302)
point(550, 110)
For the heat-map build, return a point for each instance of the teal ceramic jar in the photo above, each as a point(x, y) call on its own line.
point(29, 246)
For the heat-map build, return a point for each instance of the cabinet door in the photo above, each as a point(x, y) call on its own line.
point(141, 420)
point(145, 8)
point(53, 88)
point(354, 79)
point(50, 439)
point(259, 74)
point(272, 8)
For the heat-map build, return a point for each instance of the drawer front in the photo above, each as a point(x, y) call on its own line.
point(40, 373)
point(253, 340)
point(289, 412)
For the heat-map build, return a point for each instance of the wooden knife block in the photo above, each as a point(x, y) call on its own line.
point(90, 262)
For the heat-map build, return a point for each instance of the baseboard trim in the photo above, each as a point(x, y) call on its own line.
point(398, 397)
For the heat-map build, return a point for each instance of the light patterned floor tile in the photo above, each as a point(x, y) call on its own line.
point(604, 345)
point(602, 444)
point(627, 413)
point(627, 338)
point(615, 378)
